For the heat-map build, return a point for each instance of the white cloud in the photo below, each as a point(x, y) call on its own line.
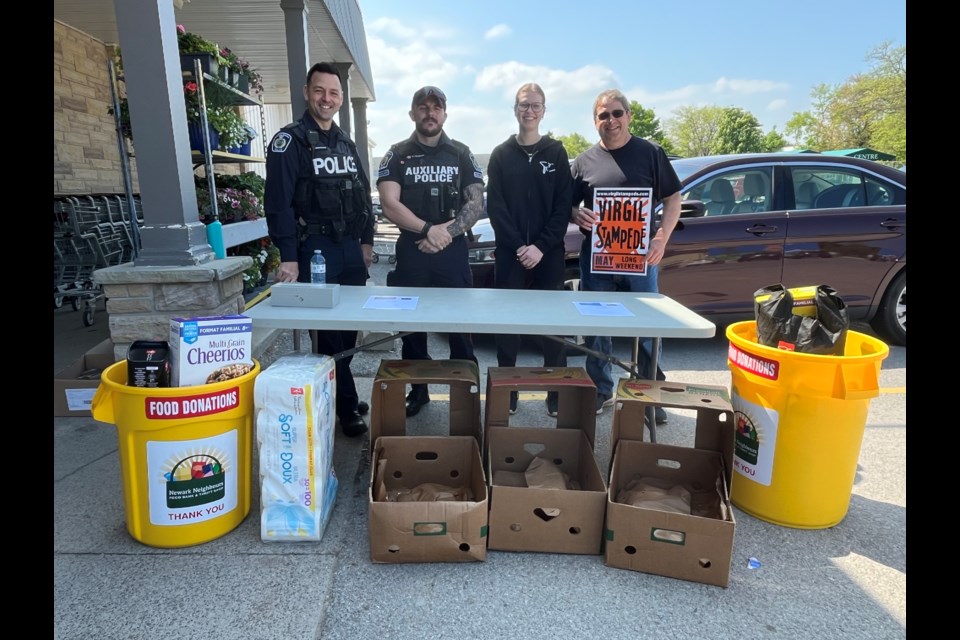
point(777, 105)
point(498, 31)
point(741, 87)
point(558, 84)
point(401, 70)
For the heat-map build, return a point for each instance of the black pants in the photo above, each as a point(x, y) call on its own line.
point(449, 268)
point(345, 266)
point(546, 276)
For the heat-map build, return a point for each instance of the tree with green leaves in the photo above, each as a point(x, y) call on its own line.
point(867, 110)
point(644, 124)
point(693, 129)
point(738, 131)
point(574, 143)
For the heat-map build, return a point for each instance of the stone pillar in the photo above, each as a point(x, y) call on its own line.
point(345, 123)
point(142, 300)
point(295, 14)
point(360, 136)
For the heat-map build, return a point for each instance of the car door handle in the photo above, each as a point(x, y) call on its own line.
point(761, 229)
point(893, 223)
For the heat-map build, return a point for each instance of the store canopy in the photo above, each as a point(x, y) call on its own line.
point(863, 152)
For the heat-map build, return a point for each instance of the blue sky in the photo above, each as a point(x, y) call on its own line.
point(762, 56)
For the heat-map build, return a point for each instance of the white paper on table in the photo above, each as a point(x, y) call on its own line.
point(391, 302)
point(608, 309)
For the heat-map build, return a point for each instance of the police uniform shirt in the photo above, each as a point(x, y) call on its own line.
point(287, 161)
point(410, 164)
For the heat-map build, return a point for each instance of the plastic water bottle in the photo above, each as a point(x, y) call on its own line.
point(318, 268)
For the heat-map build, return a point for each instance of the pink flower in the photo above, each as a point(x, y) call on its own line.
point(181, 29)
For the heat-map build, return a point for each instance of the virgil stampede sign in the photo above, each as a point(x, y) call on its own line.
point(621, 234)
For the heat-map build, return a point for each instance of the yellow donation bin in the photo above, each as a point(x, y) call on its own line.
point(799, 425)
point(185, 455)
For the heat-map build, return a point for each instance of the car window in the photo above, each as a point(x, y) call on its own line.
point(733, 191)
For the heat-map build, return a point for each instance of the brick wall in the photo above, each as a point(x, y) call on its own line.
point(85, 154)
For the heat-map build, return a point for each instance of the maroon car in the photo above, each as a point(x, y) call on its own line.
point(753, 220)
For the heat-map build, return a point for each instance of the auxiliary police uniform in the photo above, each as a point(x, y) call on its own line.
point(432, 181)
point(317, 196)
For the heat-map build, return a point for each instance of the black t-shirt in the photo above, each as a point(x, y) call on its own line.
point(639, 163)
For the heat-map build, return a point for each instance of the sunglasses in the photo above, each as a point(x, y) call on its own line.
point(605, 115)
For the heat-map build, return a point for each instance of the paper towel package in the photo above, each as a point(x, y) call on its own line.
point(294, 400)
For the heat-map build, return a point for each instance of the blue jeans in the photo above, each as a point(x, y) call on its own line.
point(600, 370)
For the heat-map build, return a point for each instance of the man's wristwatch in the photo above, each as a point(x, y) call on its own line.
point(425, 229)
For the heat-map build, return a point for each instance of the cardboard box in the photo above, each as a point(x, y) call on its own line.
point(72, 395)
point(696, 547)
point(388, 395)
point(537, 519)
point(201, 346)
point(715, 425)
point(576, 395)
point(448, 531)
point(302, 294)
point(692, 547)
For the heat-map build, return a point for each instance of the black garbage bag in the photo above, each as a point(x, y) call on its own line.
point(807, 319)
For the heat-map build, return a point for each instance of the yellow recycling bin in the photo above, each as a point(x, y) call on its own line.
point(185, 455)
point(799, 426)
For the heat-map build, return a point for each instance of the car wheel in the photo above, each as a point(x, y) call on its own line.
point(891, 319)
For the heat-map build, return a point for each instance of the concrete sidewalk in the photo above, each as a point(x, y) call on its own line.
point(845, 582)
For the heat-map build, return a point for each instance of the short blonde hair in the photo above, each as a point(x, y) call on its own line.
point(530, 86)
point(610, 94)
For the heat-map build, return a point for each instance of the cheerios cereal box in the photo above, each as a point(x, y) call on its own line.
point(209, 349)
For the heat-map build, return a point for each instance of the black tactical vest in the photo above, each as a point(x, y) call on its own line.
point(430, 184)
point(331, 199)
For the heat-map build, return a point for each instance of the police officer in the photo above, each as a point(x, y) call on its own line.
point(317, 196)
point(431, 187)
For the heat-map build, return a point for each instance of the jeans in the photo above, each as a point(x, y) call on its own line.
point(600, 370)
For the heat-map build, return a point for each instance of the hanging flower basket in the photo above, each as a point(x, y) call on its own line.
point(208, 63)
point(196, 137)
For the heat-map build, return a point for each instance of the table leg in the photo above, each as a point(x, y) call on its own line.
point(650, 413)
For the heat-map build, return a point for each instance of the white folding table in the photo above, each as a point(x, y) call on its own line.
point(517, 311)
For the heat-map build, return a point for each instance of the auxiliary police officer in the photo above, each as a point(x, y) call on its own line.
point(431, 187)
point(317, 196)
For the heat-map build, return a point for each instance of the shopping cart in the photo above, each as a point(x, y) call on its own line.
point(385, 242)
point(90, 233)
point(388, 249)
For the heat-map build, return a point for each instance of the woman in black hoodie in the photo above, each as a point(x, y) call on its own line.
point(528, 202)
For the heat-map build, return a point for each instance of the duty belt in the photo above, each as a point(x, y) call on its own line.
point(322, 229)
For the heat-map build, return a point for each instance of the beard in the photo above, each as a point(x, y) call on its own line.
point(423, 131)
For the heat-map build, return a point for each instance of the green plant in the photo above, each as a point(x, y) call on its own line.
point(266, 258)
point(249, 181)
point(192, 43)
point(230, 126)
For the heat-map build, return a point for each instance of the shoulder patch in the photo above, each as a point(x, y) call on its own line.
point(280, 142)
point(383, 170)
point(477, 171)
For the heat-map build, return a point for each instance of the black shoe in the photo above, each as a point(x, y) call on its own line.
point(353, 425)
point(363, 408)
point(514, 399)
point(661, 415)
point(414, 404)
point(552, 403)
point(603, 401)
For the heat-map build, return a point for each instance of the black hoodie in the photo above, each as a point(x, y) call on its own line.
point(529, 196)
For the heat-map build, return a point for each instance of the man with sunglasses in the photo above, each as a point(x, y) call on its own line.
point(431, 187)
point(621, 159)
